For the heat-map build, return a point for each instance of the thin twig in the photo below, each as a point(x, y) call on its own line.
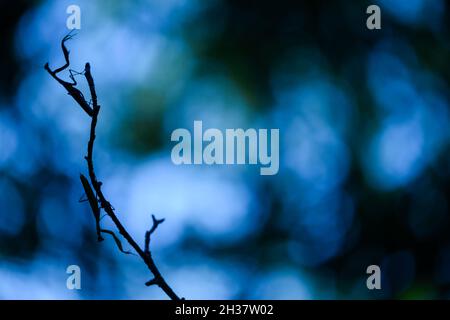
point(93, 112)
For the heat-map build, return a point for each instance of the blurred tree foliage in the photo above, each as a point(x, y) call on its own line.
point(247, 41)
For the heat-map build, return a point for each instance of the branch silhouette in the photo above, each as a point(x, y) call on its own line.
point(94, 194)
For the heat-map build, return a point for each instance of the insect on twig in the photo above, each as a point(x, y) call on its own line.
point(93, 202)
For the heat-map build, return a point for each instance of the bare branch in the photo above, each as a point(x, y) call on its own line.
point(99, 198)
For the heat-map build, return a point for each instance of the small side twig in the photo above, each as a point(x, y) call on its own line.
point(156, 223)
point(95, 195)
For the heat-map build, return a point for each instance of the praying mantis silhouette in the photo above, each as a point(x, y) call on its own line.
point(76, 94)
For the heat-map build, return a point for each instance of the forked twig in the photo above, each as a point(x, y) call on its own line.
point(95, 195)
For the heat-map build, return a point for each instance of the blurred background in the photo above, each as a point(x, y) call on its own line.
point(364, 148)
